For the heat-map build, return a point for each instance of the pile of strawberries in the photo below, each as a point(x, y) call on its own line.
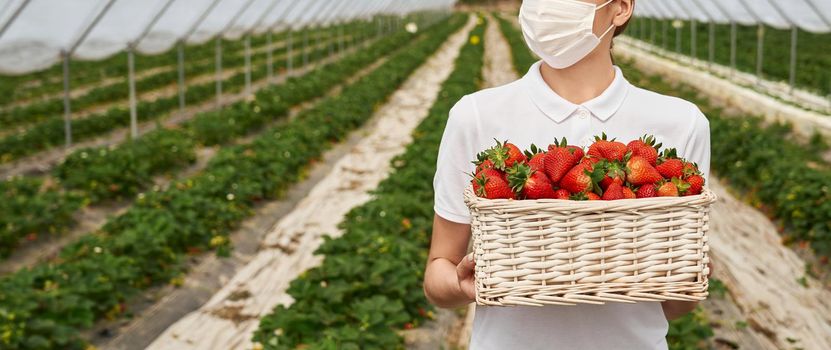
point(609, 170)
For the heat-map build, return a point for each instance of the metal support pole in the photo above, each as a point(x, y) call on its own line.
point(268, 59)
point(341, 39)
point(290, 55)
point(760, 51)
point(331, 44)
point(131, 78)
point(248, 65)
point(305, 46)
point(693, 39)
point(218, 72)
point(181, 67)
point(712, 39)
point(652, 31)
point(794, 37)
point(67, 107)
point(733, 46)
point(678, 40)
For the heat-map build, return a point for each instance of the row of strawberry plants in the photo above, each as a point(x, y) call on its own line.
point(34, 85)
point(812, 53)
point(765, 162)
point(46, 306)
point(29, 207)
point(50, 133)
point(52, 108)
point(687, 332)
point(103, 173)
point(369, 284)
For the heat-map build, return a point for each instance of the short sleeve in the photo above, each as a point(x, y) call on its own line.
point(454, 163)
point(697, 147)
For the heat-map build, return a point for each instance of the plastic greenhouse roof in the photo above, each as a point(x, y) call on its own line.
point(34, 34)
point(810, 15)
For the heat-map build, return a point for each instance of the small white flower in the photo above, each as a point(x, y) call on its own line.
point(97, 250)
point(411, 28)
point(230, 196)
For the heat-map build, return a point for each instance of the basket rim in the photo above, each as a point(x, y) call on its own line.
point(706, 198)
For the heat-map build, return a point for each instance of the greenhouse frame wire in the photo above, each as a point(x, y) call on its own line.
point(325, 15)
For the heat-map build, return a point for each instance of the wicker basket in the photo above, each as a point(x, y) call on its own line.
point(556, 252)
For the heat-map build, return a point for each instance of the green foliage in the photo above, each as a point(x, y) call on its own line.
point(28, 208)
point(104, 173)
point(369, 283)
point(690, 332)
point(47, 305)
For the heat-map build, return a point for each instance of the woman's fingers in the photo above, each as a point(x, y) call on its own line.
point(464, 270)
point(466, 267)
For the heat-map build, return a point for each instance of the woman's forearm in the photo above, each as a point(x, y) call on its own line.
point(441, 284)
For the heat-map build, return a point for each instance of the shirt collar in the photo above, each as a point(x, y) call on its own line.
point(558, 108)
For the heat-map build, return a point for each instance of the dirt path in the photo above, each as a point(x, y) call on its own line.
point(230, 317)
point(43, 162)
point(766, 279)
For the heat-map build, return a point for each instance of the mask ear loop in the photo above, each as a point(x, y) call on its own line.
point(610, 27)
point(607, 31)
point(604, 5)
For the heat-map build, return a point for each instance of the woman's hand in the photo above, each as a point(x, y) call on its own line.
point(465, 273)
point(448, 278)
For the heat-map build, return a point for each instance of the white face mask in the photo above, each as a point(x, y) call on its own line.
point(560, 31)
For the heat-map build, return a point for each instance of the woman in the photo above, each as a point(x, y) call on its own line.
point(576, 92)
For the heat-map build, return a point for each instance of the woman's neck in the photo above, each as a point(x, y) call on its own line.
point(583, 81)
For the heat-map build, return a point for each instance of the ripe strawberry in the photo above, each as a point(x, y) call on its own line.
point(640, 172)
point(486, 164)
point(628, 194)
point(592, 196)
point(536, 158)
point(581, 178)
point(562, 194)
point(645, 147)
point(504, 155)
point(696, 185)
point(668, 189)
point(614, 192)
point(671, 168)
point(607, 149)
point(589, 160)
point(560, 159)
point(691, 169)
point(491, 184)
point(528, 183)
point(646, 191)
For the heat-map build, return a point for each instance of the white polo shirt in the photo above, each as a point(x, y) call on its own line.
point(528, 111)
